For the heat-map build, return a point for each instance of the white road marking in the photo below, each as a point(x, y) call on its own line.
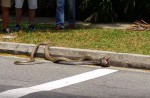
point(19, 92)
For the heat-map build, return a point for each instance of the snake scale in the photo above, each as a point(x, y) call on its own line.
point(85, 60)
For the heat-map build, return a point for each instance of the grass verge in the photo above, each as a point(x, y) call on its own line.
point(87, 38)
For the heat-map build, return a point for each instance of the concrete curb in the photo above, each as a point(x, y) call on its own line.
point(116, 59)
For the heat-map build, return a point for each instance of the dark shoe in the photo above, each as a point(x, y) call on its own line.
point(31, 28)
point(17, 28)
point(59, 27)
point(72, 26)
point(6, 30)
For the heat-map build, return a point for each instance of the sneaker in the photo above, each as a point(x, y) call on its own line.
point(59, 27)
point(17, 28)
point(6, 30)
point(31, 28)
point(72, 26)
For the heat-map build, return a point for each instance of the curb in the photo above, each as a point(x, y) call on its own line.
point(116, 59)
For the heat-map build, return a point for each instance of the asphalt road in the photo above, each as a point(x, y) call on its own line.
point(49, 80)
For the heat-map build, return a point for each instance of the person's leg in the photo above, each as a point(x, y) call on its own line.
point(5, 6)
point(18, 5)
point(71, 11)
point(18, 15)
point(5, 16)
point(32, 7)
point(60, 13)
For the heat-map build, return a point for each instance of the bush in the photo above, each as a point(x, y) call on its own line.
point(115, 10)
point(98, 10)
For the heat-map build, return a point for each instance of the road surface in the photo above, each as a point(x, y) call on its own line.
point(49, 80)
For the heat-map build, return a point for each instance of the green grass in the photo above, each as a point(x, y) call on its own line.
point(88, 38)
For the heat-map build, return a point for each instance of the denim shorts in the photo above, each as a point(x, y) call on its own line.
point(32, 4)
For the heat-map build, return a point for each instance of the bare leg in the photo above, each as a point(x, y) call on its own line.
point(5, 16)
point(18, 15)
point(31, 16)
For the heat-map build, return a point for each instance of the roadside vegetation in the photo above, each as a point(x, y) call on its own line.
point(97, 11)
point(87, 38)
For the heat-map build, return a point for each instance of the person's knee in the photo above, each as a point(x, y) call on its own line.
point(60, 3)
point(33, 7)
point(5, 9)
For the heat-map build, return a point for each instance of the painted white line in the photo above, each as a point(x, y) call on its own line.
point(16, 93)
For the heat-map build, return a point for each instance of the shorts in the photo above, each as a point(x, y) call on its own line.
point(32, 4)
point(5, 3)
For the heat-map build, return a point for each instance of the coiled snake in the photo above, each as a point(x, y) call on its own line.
point(85, 60)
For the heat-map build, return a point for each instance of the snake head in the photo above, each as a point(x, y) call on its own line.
point(105, 62)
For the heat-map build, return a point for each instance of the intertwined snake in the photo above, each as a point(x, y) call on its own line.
point(32, 56)
point(85, 60)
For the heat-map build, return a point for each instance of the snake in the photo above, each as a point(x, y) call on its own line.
point(32, 56)
point(84, 60)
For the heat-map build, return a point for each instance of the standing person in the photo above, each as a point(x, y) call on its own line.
point(5, 6)
point(60, 14)
point(32, 7)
